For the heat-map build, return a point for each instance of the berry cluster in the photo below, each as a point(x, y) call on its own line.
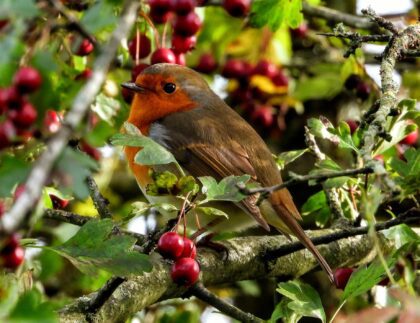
point(20, 114)
point(11, 253)
point(237, 8)
point(185, 270)
point(255, 102)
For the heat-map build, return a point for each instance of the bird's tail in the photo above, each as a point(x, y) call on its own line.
point(288, 215)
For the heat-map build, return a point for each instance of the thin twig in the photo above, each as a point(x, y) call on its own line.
point(410, 216)
point(205, 295)
point(43, 166)
point(302, 179)
point(380, 21)
point(101, 203)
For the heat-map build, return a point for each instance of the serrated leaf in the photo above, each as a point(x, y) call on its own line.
point(211, 211)
point(274, 12)
point(106, 108)
point(304, 298)
point(140, 208)
point(365, 278)
point(408, 171)
point(225, 190)
point(12, 172)
point(401, 234)
point(187, 184)
point(94, 247)
point(288, 157)
point(343, 132)
point(317, 206)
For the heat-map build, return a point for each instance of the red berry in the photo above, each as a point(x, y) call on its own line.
point(180, 59)
point(24, 116)
point(171, 245)
point(7, 133)
point(185, 271)
point(363, 90)
point(159, 17)
point(187, 25)
point(27, 80)
point(3, 23)
point(127, 95)
point(280, 79)
point(353, 125)
point(10, 98)
point(137, 70)
point(384, 282)
point(18, 192)
point(266, 68)
point(14, 258)
point(51, 121)
point(183, 44)
point(237, 8)
point(2, 208)
point(342, 276)
point(352, 81)
point(162, 5)
point(86, 74)
point(207, 64)
point(58, 203)
point(144, 46)
point(183, 7)
point(91, 151)
point(301, 31)
point(263, 116)
point(163, 55)
point(85, 48)
point(235, 68)
point(190, 250)
point(411, 138)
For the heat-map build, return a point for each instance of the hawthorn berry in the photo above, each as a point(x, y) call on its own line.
point(171, 245)
point(352, 81)
point(84, 75)
point(7, 133)
point(263, 116)
point(162, 5)
point(363, 90)
point(280, 79)
point(235, 68)
point(14, 258)
point(51, 121)
point(411, 138)
point(159, 17)
point(185, 271)
point(342, 276)
point(27, 80)
point(301, 31)
point(207, 64)
point(265, 68)
point(183, 7)
point(85, 48)
point(190, 250)
point(144, 46)
point(127, 95)
point(353, 125)
point(237, 8)
point(90, 150)
point(163, 55)
point(10, 98)
point(180, 59)
point(183, 44)
point(58, 203)
point(24, 116)
point(137, 70)
point(187, 25)
point(2, 208)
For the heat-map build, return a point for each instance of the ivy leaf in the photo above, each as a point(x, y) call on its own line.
point(211, 211)
point(225, 190)
point(288, 157)
point(274, 12)
point(94, 247)
point(12, 172)
point(365, 278)
point(304, 299)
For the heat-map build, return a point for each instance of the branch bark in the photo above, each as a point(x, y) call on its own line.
point(43, 166)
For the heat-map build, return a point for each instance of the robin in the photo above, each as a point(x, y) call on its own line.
point(174, 106)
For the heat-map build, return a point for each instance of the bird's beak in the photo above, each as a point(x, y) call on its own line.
point(133, 87)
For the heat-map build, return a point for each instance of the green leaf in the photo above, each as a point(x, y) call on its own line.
point(31, 309)
point(12, 172)
point(225, 190)
point(77, 166)
point(401, 234)
point(365, 278)
point(98, 17)
point(317, 206)
point(304, 299)
point(211, 211)
point(274, 12)
point(24, 9)
point(324, 86)
point(336, 182)
point(140, 208)
point(106, 108)
point(288, 157)
point(187, 184)
point(94, 247)
point(408, 171)
point(343, 132)
point(9, 288)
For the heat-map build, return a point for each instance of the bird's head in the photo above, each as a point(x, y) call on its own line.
point(163, 89)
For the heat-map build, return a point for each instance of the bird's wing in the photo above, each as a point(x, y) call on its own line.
point(206, 160)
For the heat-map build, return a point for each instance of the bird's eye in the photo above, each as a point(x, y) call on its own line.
point(169, 88)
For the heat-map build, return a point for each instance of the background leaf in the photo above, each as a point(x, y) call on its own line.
point(225, 190)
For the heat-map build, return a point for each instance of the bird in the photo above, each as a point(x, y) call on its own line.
point(175, 106)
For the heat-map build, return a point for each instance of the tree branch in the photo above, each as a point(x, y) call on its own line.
point(298, 179)
point(43, 166)
point(101, 204)
point(205, 295)
point(247, 259)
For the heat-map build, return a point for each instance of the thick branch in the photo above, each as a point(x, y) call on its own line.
point(296, 179)
point(43, 166)
point(246, 260)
